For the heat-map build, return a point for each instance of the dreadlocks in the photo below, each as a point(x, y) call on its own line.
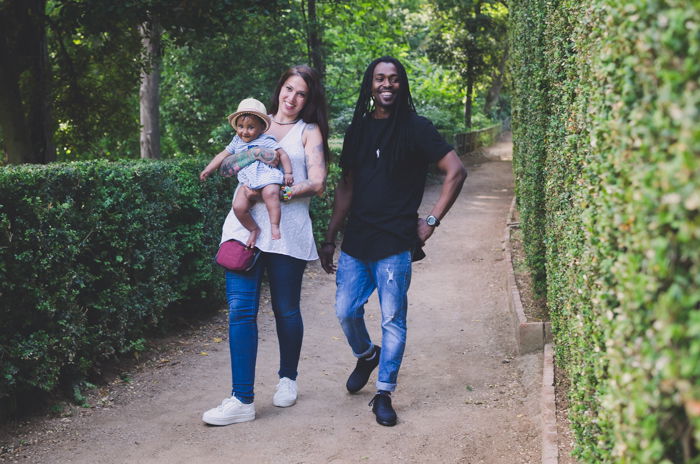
point(394, 141)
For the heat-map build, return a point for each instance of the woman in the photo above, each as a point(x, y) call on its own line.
point(300, 125)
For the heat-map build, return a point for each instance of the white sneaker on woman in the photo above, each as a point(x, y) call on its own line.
point(230, 411)
point(286, 394)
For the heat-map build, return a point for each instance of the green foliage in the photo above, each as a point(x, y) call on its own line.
point(214, 74)
point(529, 125)
point(356, 33)
point(214, 54)
point(610, 135)
point(91, 256)
point(322, 207)
point(92, 50)
point(467, 37)
point(95, 52)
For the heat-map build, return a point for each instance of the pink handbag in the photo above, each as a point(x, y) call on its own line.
point(235, 256)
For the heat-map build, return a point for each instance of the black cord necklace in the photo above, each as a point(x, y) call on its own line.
point(285, 123)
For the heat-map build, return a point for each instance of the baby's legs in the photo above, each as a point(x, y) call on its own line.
point(241, 208)
point(271, 197)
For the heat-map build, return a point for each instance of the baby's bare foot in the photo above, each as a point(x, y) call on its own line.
point(252, 238)
point(275, 232)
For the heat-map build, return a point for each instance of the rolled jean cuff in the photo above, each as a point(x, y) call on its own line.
point(366, 353)
point(390, 387)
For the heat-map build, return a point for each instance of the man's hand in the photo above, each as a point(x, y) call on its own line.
point(424, 231)
point(326, 255)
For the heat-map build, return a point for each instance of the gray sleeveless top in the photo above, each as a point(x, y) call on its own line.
point(295, 225)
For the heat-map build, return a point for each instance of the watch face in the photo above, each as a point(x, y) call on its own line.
point(431, 220)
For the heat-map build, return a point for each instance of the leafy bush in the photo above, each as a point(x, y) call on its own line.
point(606, 156)
point(94, 254)
point(529, 121)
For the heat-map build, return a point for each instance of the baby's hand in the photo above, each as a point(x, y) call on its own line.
point(288, 179)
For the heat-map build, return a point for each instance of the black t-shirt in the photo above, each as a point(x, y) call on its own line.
point(384, 210)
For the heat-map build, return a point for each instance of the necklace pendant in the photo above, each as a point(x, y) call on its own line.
point(377, 153)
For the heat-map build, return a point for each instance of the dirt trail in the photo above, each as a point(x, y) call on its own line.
point(463, 396)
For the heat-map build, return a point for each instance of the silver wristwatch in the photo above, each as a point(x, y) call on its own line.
point(432, 221)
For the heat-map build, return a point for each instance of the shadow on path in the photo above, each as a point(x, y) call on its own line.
point(462, 397)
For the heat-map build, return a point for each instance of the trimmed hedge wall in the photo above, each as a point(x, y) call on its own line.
point(607, 159)
point(467, 142)
point(92, 254)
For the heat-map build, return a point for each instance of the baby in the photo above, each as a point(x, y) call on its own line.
point(250, 122)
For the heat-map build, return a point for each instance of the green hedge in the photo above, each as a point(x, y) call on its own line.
point(607, 159)
point(528, 107)
point(94, 254)
point(466, 142)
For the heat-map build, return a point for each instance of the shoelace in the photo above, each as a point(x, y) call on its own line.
point(224, 403)
point(377, 396)
point(283, 388)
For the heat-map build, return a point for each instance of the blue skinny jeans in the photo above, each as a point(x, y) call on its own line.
point(243, 294)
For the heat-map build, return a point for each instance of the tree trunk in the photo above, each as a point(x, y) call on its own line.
point(149, 93)
point(494, 91)
point(40, 120)
point(468, 102)
point(25, 71)
point(315, 46)
point(18, 145)
point(471, 78)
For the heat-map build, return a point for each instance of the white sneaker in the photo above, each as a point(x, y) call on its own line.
point(286, 394)
point(230, 411)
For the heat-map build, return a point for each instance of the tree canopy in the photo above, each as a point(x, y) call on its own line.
point(70, 69)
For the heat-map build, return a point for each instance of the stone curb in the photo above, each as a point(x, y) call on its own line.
point(550, 439)
point(530, 336)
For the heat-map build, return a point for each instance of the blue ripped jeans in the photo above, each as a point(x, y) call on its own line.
point(356, 280)
point(243, 295)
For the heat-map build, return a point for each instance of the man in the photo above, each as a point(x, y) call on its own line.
point(385, 159)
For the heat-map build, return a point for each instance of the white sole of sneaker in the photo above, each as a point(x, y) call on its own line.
point(229, 420)
point(283, 404)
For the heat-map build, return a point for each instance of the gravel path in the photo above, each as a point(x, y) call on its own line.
point(463, 396)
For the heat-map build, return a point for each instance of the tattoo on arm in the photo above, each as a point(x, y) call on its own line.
point(263, 154)
point(246, 157)
point(315, 158)
point(311, 127)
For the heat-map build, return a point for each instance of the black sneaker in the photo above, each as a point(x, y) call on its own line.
point(381, 407)
point(363, 369)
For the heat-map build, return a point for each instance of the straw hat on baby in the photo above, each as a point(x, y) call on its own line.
point(250, 106)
